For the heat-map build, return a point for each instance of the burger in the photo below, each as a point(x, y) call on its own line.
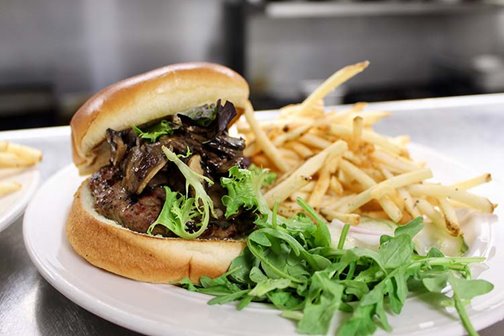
point(157, 149)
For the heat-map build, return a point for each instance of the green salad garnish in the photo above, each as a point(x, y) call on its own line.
point(293, 264)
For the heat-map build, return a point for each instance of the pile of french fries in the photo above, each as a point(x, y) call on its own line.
point(345, 170)
point(15, 157)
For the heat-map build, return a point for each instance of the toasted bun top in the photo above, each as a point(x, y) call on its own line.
point(146, 97)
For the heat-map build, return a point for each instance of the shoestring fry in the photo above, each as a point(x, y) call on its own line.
point(14, 158)
point(345, 170)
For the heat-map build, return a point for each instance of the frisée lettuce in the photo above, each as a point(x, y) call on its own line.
point(244, 189)
point(179, 210)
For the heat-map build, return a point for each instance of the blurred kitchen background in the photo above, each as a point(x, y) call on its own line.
point(55, 53)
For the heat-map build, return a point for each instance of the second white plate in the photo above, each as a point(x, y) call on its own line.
point(12, 205)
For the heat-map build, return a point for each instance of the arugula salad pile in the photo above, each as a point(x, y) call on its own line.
point(293, 264)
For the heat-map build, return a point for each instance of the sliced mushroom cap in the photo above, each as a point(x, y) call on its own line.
point(195, 164)
point(117, 146)
point(144, 162)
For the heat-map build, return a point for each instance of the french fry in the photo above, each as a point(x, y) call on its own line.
point(357, 174)
point(368, 136)
point(314, 141)
point(337, 202)
point(350, 156)
point(375, 174)
point(382, 188)
point(298, 194)
point(338, 117)
point(376, 214)
point(402, 140)
point(406, 198)
point(409, 204)
point(452, 223)
point(299, 148)
point(292, 134)
point(372, 117)
point(391, 209)
point(289, 153)
point(11, 160)
point(25, 153)
point(338, 78)
point(308, 188)
point(344, 179)
point(473, 182)
point(480, 203)
point(401, 181)
point(321, 187)
point(291, 163)
point(358, 123)
point(352, 219)
point(295, 181)
point(335, 186)
point(428, 209)
point(315, 111)
point(8, 187)
point(252, 149)
point(262, 140)
point(289, 209)
point(394, 162)
point(333, 163)
point(367, 182)
point(261, 161)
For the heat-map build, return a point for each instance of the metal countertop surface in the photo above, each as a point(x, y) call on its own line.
point(468, 129)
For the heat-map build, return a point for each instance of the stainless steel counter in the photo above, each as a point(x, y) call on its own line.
point(468, 129)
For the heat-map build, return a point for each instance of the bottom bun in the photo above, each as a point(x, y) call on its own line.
point(107, 245)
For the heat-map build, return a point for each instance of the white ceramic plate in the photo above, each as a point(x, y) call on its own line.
point(12, 205)
point(169, 310)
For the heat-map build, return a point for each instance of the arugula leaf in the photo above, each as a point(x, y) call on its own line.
point(435, 253)
point(467, 289)
point(342, 238)
point(267, 285)
point(244, 190)
point(411, 228)
point(400, 292)
point(285, 300)
point(154, 132)
point(256, 275)
point(244, 302)
point(324, 298)
point(228, 297)
point(321, 235)
point(396, 252)
point(361, 323)
point(436, 283)
point(240, 268)
point(463, 291)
